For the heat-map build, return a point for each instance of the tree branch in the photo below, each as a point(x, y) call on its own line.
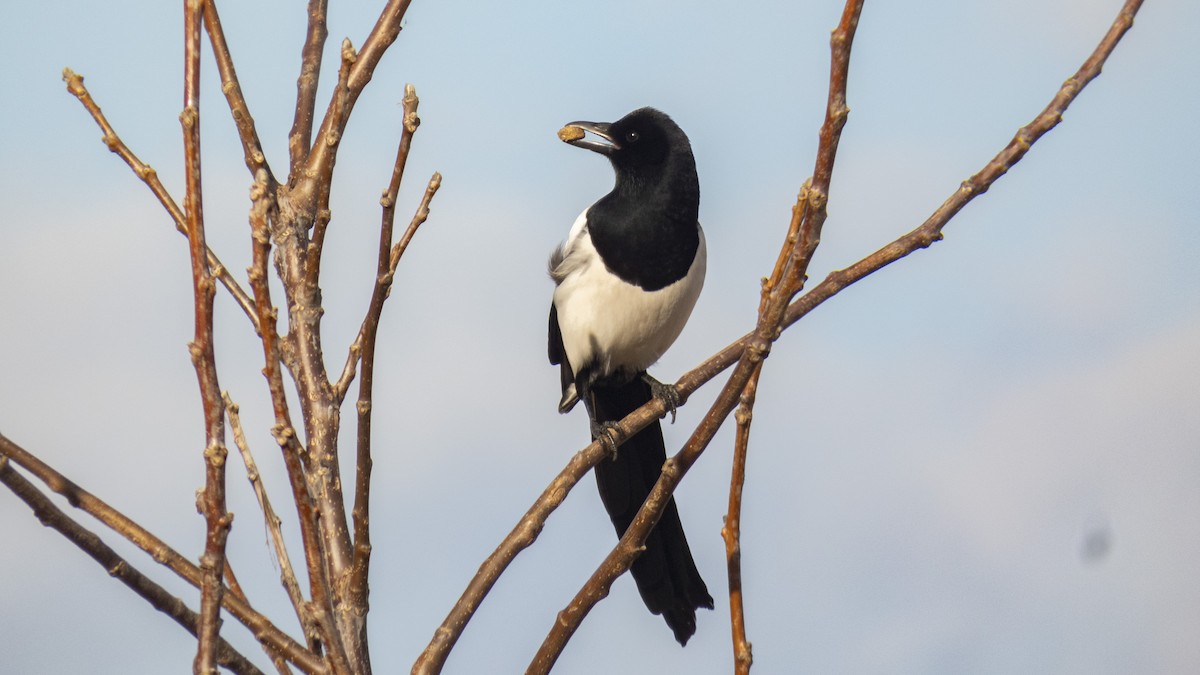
point(304, 205)
point(324, 148)
point(251, 146)
point(633, 542)
point(287, 575)
point(325, 178)
point(284, 431)
point(259, 625)
point(380, 292)
point(211, 501)
point(930, 231)
point(384, 283)
point(116, 566)
point(732, 531)
point(150, 177)
point(364, 344)
point(306, 86)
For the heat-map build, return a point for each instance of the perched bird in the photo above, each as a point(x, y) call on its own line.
point(626, 280)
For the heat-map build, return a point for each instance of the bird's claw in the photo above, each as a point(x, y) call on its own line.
point(606, 433)
point(667, 393)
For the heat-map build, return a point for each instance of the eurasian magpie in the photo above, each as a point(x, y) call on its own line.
point(626, 280)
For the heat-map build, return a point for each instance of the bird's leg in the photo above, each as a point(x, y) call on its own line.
point(605, 432)
point(667, 393)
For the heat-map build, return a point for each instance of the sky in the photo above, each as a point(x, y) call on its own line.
point(984, 458)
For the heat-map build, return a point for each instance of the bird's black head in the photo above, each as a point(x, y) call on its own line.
point(646, 229)
point(644, 140)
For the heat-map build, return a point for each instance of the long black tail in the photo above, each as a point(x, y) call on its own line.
point(665, 573)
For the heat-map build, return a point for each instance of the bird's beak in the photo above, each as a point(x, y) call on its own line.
point(579, 139)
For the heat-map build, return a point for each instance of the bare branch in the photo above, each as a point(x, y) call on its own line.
point(364, 344)
point(251, 146)
point(306, 86)
point(527, 529)
point(259, 625)
point(522, 536)
point(809, 212)
point(286, 573)
point(787, 278)
point(633, 542)
point(284, 432)
point(150, 177)
point(410, 122)
point(418, 219)
point(325, 176)
point(211, 501)
point(930, 231)
point(732, 530)
point(384, 283)
point(116, 566)
point(324, 146)
point(303, 204)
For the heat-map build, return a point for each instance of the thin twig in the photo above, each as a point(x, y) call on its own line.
point(116, 566)
point(325, 179)
point(836, 111)
point(251, 146)
point(732, 530)
point(150, 177)
point(286, 574)
point(409, 123)
point(384, 283)
point(259, 625)
point(809, 212)
point(324, 147)
point(359, 571)
point(365, 343)
point(306, 86)
point(211, 501)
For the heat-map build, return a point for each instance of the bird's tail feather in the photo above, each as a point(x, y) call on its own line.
point(665, 573)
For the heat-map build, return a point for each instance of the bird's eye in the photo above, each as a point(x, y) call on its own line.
point(632, 136)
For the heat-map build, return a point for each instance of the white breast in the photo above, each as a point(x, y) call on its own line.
point(612, 325)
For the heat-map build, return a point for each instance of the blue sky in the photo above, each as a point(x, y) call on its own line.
point(932, 450)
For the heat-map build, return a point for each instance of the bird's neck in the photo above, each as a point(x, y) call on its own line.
point(645, 230)
point(671, 196)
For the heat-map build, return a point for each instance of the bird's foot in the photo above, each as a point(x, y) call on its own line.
point(606, 433)
point(667, 393)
